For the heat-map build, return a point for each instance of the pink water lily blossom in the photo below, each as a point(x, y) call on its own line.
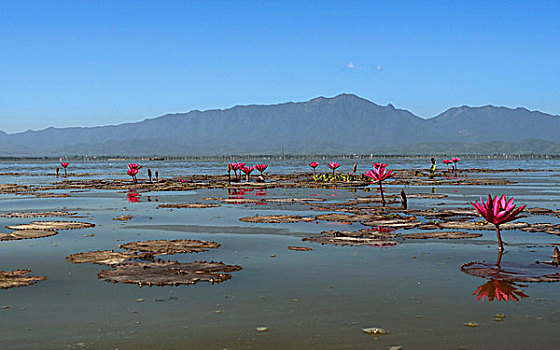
point(333, 166)
point(261, 167)
point(378, 174)
point(134, 166)
point(447, 162)
point(455, 160)
point(497, 211)
point(65, 165)
point(247, 170)
point(132, 173)
point(313, 165)
point(379, 165)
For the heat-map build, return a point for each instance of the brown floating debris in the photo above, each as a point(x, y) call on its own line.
point(553, 229)
point(275, 219)
point(18, 278)
point(166, 247)
point(51, 225)
point(480, 225)
point(442, 235)
point(300, 249)
point(169, 273)
point(351, 241)
point(405, 223)
point(103, 257)
point(37, 214)
point(26, 234)
point(188, 205)
point(542, 211)
point(344, 217)
point(123, 217)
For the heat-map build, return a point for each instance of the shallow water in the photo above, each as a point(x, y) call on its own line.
point(319, 299)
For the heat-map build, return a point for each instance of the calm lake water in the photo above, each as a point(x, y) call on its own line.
point(320, 299)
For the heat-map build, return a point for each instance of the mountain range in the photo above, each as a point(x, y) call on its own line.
point(339, 125)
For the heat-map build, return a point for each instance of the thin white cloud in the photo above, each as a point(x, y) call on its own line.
point(379, 68)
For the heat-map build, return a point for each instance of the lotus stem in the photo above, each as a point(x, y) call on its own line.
point(313, 171)
point(500, 244)
point(499, 260)
point(382, 196)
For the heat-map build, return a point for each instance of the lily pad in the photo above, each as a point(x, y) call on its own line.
point(26, 234)
point(123, 217)
point(481, 225)
point(169, 273)
point(188, 205)
point(275, 219)
point(166, 247)
point(442, 235)
point(351, 241)
point(513, 272)
point(300, 249)
point(18, 278)
point(102, 257)
point(52, 225)
point(37, 214)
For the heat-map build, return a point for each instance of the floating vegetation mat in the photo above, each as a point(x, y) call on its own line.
point(442, 235)
point(553, 229)
point(102, 257)
point(37, 214)
point(52, 225)
point(479, 225)
point(513, 272)
point(166, 247)
point(123, 217)
point(188, 205)
point(351, 241)
point(355, 238)
point(169, 273)
point(276, 219)
point(26, 234)
point(542, 211)
point(18, 278)
point(300, 249)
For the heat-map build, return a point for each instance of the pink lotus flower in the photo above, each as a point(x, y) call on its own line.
point(497, 211)
point(447, 162)
point(499, 289)
point(134, 166)
point(333, 166)
point(455, 160)
point(247, 171)
point(65, 165)
point(261, 167)
point(379, 165)
point(132, 173)
point(378, 174)
point(235, 167)
point(313, 165)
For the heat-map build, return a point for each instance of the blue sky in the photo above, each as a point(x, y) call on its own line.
point(83, 63)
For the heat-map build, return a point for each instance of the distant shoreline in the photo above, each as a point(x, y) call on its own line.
point(279, 157)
